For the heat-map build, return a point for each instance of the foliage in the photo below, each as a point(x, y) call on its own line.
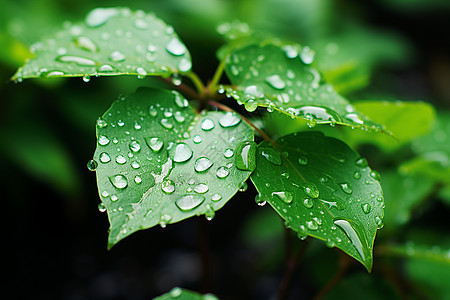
point(284, 118)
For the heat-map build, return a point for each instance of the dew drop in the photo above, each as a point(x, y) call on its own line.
point(307, 55)
point(101, 123)
point(207, 124)
point(154, 143)
point(352, 235)
point(100, 16)
point(276, 82)
point(179, 117)
point(166, 123)
point(286, 197)
point(312, 225)
point(229, 119)
point(137, 179)
point(101, 207)
point(78, 60)
point(164, 220)
point(346, 188)
point(175, 47)
point(114, 198)
point(251, 105)
point(357, 175)
point(135, 165)
point(243, 186)
point(201, 188)
point(361, 162)
point(216, 197)
point(366, 207)
point(303, 160)
point(185, 64)
point(135, 146)
point(120, 159)
point(168, 186)
point(152, 111)
point(182, 152)
point(271, 156)
point(86, 78)
point(119, 181)
point(375, 175)
point(92, 165)
point(117, 56)
point(209, 214)
point(86, 43)
point(308, 203)
point(228, 153)
point(104, 157)
point(311, 190)
point(379, 222)
point(202, 164)
point(189, 202)
point(245, 158)
point(222, 172)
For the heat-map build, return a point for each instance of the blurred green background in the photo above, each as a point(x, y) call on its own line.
point(369, 50)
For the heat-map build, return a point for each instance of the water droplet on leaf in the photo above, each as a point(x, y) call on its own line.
point(245, 158)
point(189, 202)
point(119, 181)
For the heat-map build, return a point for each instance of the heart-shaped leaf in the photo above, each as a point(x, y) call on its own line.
point(280, 77)
point(111, 41)
point(158, 162)
point(323, 189)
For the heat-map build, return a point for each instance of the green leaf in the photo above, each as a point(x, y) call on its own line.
point(406, 120)
point(159, 162)
point(402, 194)
point(433, 152)
point(183, 294)
point(111, 41)
point(281, 78)
point(323, 189)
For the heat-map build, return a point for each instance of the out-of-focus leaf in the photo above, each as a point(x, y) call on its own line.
point(38, 152)
point(183, 294)
point(401, 195)
point(159, 162)
point(111, 41)
point(348, 59)
point(433, 152)
point(323, 189)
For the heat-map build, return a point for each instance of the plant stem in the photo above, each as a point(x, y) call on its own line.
point(226, 108)
point(344, 264)
point(291, 266)
point(183, 88)
point(197, 83)
point(217, 75)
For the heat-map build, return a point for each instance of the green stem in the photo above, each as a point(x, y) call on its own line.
point(212, 86)
point(197, 83)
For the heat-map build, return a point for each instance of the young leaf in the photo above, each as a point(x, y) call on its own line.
point(183, 294)
point(158, 162)
point(281, 78)
point(111, 41)
point(323, 189)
